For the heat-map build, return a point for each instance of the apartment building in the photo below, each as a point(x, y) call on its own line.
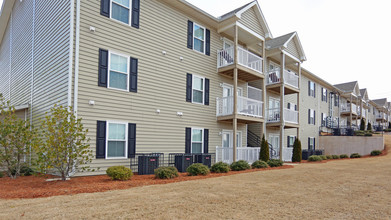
point(164, 76)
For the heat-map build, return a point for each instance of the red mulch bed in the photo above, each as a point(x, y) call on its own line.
point(35, 186)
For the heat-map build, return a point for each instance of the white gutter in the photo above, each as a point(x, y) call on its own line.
point(72, 4)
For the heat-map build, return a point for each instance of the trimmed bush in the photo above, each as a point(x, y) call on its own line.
point(275, 163)
point(259, 164)
point(240, 165)
point(323, 157)
point(355, 155)
point(25, 170)
point(314, 158)
point(335, 156)
point(359, 133)
point(198, 169)
point(220, 167)
point(362, 125)
point(329, 157)
point(369, 127)
point(343, 156)
point(264, 154)
point(1, 174)
point(296, 155)
point(119, 173)
point(166, 172)
point(368, 134)
point(375, 153)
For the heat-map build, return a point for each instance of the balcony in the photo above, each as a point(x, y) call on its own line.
point(381, 117)
point(249, 154)
point(364, 113)
point(249, 68)
point(249, 110)
point(345, 109)
point(291, 81)
point(291, 117)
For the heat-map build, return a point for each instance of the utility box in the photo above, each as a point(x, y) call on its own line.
point(205, 159)
point(147, 164)
point(182, 162)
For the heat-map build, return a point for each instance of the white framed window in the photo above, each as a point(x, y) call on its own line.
point(120, 10)
point(311, 143)
point(291, 141)
point(336, 100)
point(324, 118)
point(118, 77)
point(117, 140)
point(311, 116)
point(227, 138)
point(198, 89)
point(292, 106)
point(324, 94)
point(197, 140)
point(199, 38)
point(311, 89)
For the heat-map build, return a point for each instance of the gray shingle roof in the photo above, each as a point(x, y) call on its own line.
point(380, 102)
point(278, 41)
point(347, 87)
point(362, 92)
point(229, 14)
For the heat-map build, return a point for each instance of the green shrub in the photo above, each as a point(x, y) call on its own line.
point(259, 164)
point(362, 125)
point(323, 157)
point(343, 156)
point(119, 173)
point(220, 167)
point(264, 154)
point(335, 156)
point(369, 127)
point(1, 174)
point(355, 155)
point(313, 158)
point(329, 157)
point(240, 165)
point(25, 170)
point(375, 153)
point(368, 134)
point(198, 169)
point(297, 156)
point(166, 172)
point(359, 133)
point(275, 163)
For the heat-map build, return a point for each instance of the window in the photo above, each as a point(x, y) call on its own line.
point(311, 143)
point(311, 116)
point(292, 106)
point(116, 140)
point(291, 141)
point(118, 71)
point(324, 119)
point(198, 89)
point(197, 140)
point(311, 88)
point(199, 38)
point(120, 10)
point(271, 67)
point(336, 100)
point(324, 94)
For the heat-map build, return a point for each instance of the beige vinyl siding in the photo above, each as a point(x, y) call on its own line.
point(5, 64)
point(250, 20)
point(161, 79)
point(292, 49)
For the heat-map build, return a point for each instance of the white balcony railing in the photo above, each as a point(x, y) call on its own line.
point(245, 106)
point(250, 60)
point(290, 78)
point(345, 108)
point(249, 154)
point(381, 116)
point(291, 116)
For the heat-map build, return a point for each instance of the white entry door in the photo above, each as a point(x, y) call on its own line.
point(274, 140)
point(228, 98)
point(227, 145)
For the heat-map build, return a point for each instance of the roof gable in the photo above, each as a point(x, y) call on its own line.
point(349, 87)
point(288, 42)
point(250, 20)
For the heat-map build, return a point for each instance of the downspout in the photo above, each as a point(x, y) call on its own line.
point(76, 83)
point(32, 72)
point(71, 31)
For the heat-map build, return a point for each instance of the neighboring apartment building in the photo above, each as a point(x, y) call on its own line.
point(164, 76)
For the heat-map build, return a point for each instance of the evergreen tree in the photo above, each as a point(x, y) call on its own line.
point(296, 156)
point(264, 154)
point(369, 126)
point(362, 125)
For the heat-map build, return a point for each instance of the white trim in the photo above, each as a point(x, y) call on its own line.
point(231, 135)
point(130, 12)
point(77, 46)
point(127, 71)
point(194, 24)
point(20, 107)
point(107, 139)
point(72, 5)
point(203, 89)
point(249, 31)
point(290, 55)
point(202, 139)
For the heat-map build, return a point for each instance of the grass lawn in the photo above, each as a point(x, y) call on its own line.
point(339, 189)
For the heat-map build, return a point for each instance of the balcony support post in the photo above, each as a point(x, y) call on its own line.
point(264, 89)
point(298, 99)
point(351, 109)
point(282, 103)
point(235, 107)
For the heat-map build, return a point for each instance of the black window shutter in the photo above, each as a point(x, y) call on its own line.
point(189, 87)
point(206, 92)
point(288, 141)
point(135, 13)
point(314, 143)
point(207, 45)
point(309, 143)
point(322, 93)
point(326, 94)
point(133, 75)
point(314, 117)
point(289, 105)
point(103, 63)
point(131, 140)
point(206, 141)
point(101, 140)
point(190, 34)
point(309, 88)
point(295, 107)
point(321, 117)
point(314, 90)
point(105, 8)
point(309, 116)
point(188, 141)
